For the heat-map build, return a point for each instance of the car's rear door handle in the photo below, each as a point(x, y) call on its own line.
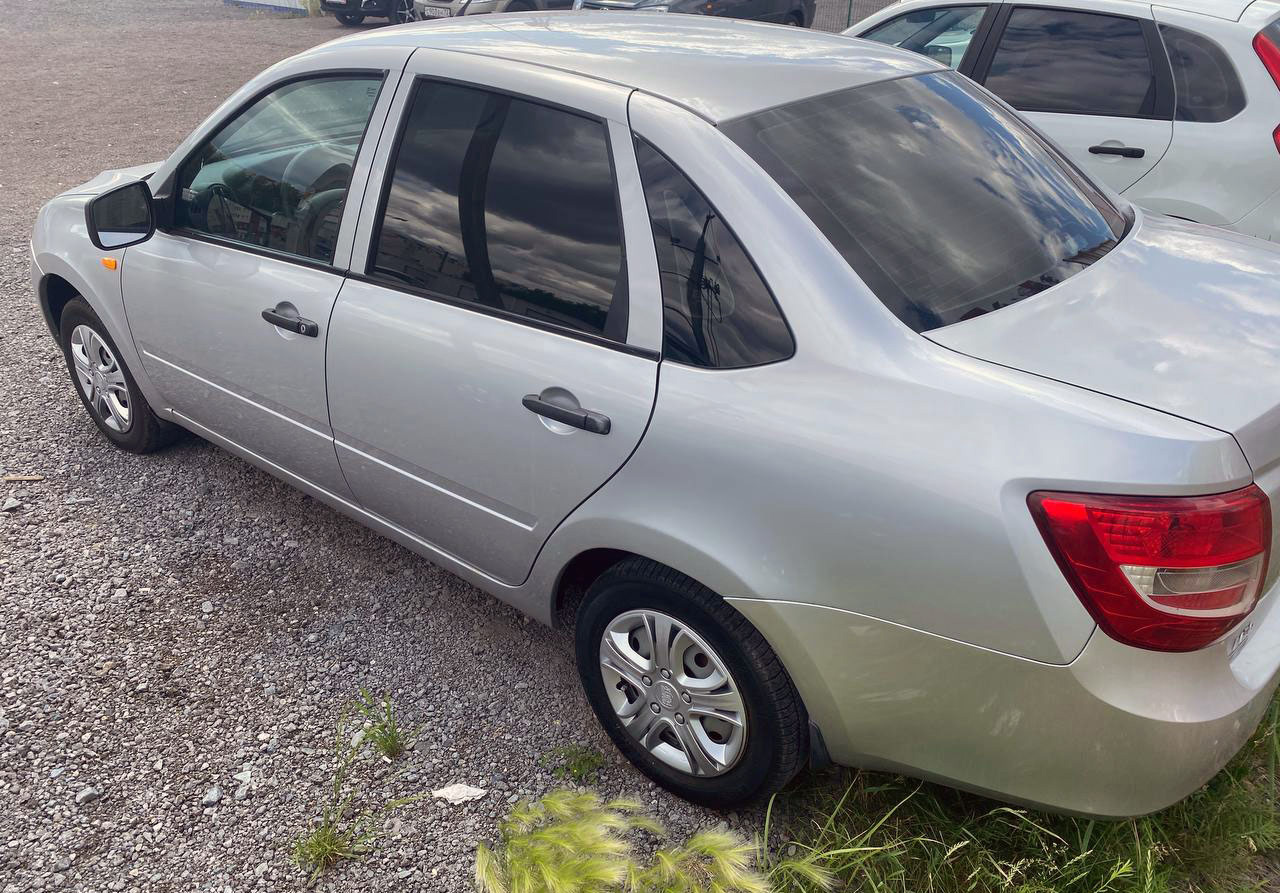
point(594, 422)
point(1122, 151)
point(285, 316)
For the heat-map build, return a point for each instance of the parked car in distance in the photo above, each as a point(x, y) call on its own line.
point(856, 422)
point(784, 12)
point(1176, 105)
point(437, 9)
point(354, 12)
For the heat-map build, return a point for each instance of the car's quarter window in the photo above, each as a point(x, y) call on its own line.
point(942, 33)
point(276, 175)
point(943, 201)
point(716, 310)
point(505, 204)
point(1206, 86)
point(1057, 60)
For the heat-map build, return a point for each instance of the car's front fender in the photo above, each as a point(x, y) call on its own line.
point(60, 247)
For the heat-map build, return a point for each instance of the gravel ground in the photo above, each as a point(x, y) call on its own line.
point(180, 623)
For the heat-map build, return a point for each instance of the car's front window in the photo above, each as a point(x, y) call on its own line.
point(939, 197)
point(943, 33)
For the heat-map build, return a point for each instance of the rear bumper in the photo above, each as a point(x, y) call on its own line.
point(1117, 732)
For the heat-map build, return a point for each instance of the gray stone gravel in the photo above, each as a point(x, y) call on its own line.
point(182, 624)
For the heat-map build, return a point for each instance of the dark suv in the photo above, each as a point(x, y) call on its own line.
point(353, 12)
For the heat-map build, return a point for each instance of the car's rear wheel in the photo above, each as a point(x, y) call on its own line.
point(105, 385)
point(796, 19)
point(687, 689)
point(350, 19)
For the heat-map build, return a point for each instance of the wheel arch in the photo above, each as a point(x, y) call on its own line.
point(55, 292)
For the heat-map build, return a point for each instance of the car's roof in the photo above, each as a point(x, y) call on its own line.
point(1231, 10)
point(718, 68)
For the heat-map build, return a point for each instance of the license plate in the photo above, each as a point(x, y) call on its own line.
point(435, 12)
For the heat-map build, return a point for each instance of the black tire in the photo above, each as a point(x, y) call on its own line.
point(145, 432)
point(519, 6)
point(777, 743)
point(795, 19)
point(349, 19)
point(401, 12)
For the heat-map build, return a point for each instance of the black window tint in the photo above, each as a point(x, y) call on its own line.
point(1052, 60)
point(943, 201)
point(276, 175)
point(1205, 82)
point(507, 204)
point(942, 33)
point(716, 310)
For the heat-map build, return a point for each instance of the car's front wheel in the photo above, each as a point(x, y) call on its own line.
point(105, 385)
point(687, 689)
point(348, 18)
point(402, 11)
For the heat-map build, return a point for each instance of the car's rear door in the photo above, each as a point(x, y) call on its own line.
point(493, 359)
point(1094, 77)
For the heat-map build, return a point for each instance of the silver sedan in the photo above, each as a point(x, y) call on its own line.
point(844, 416)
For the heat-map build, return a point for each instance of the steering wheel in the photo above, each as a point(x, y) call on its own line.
point(218, 195)
point(313, 170)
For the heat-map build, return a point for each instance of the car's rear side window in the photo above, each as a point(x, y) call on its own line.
point(1205, 82)
point(508, 205)
point(716, 310)
point(1057, 60)
point(943, 201)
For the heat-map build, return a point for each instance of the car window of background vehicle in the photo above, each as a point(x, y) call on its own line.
point(1057, 60)
point(506, 204)
point(717, 311)
point(1205, 82)
point(943, 33)
point(277, 175)
point(944, 202)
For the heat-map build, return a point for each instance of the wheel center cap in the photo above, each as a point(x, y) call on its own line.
point(97, 380)
point(667, 696)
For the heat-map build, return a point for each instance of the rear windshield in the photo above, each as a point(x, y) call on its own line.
point(942, 200)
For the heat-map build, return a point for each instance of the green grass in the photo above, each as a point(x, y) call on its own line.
point(381, 728)
point(575, 763)
point(860, 831)
point(353, 812)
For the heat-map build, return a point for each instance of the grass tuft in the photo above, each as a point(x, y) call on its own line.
point(573, 842)
point(381, 728)
point(576, 763)
point(886, 834)
point(352, 815)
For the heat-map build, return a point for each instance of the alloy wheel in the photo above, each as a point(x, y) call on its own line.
point(673, 693)
point(101, 378)
point(404, 12)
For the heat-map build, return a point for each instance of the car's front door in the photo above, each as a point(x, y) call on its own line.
point(488, 370)
point(946, 34)
point(229, 306)
point(1097, 82)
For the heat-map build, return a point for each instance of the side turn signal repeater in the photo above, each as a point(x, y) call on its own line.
point(110, 263)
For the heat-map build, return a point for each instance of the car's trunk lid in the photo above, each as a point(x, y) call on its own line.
point(1177, 317)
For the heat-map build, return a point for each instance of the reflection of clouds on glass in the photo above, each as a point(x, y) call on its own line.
point(938, 197)
point(549, 236)
point(1057, 60)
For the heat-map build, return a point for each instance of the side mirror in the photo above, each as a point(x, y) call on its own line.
point(122, 217)
point(939, 54)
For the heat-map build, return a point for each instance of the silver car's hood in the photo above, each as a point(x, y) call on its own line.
point(1179, 317)
point(107, 179)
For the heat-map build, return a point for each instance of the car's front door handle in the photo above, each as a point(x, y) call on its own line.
point(1122, 151)
point(585, 419)
point(285, 316)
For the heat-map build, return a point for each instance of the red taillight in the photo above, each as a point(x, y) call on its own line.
point(1269, 53)
point(1170, 574)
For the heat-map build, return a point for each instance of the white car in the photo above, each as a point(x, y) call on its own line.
point(1176, 106)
